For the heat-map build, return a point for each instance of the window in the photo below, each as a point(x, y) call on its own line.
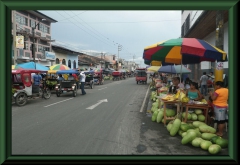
point(57, 61)
point(74, 64)
point(40, 48)
point(69, 64)
point(64, 62)
point(21, 20)
point(32, 23)
point(43, 42)
point(26, 45)
point(43, 48)
point(44, 28)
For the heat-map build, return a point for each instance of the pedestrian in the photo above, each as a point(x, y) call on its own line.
point(60, 78)
point(187, 83)
point(211, 77)
point(225, 81)
point(37, 78)
point(203, 83)
point(82, 80)
point(220, 103)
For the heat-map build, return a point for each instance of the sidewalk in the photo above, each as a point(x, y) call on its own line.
point(158, 139)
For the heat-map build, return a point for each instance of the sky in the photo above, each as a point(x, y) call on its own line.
point(95, 32)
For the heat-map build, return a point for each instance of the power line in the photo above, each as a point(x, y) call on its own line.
point(73, 16)
point(93, 29)
point(131, 22)
point(82, 29)
point(94, 32)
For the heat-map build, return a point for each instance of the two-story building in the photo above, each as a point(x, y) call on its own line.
point(27, 22)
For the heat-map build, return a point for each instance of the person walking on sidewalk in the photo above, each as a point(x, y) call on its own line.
point(203, 83)
point(82, 80)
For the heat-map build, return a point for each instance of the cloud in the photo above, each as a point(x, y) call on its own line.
point(102, 31)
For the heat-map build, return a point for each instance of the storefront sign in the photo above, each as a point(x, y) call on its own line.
point(50, 55)
point(219, 66)
point(20, 42)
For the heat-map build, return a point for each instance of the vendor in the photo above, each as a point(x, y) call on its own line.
point(193, 93)
point(176, 85)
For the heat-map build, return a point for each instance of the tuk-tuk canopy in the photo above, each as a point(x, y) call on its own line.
point(21, 71)
point(67, 72)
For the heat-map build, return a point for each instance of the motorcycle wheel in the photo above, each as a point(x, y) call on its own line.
point(46, 94)
point(75, 92)
point(58, 94)
point(21, 99)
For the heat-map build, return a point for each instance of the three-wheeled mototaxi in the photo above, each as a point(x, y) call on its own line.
point(99, 77)
point(89, 78)
point(23, 89)
point(141, 75)
point(117, 75)
point(67, 85)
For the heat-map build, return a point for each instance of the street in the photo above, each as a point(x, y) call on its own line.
point(66, 125)
point(105, 121)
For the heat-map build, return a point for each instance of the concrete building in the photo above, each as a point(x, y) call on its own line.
point(109, 61)
point(201, 24)
point(25, 21)
point(65, 56)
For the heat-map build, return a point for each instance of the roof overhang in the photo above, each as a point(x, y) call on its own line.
point(204, 25)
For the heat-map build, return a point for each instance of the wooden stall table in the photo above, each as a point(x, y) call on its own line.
point(161, 91)
point(205, 107)
point(164, 107)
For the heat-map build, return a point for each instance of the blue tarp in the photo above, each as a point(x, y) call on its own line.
point(31, 65)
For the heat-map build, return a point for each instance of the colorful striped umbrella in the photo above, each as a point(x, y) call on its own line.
point(183, 51)
point(174, 69)
point(57, 67)
point(153, 68)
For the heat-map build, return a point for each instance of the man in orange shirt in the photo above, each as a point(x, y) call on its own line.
point(220, 103)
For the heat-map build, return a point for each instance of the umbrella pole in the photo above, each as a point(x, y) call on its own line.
point(181, 71)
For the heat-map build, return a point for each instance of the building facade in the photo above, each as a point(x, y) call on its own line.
point(65, 56)
point(27, 22)
point(201, 24)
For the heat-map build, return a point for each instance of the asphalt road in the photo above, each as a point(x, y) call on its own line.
point(84, 126)
point(68, 125)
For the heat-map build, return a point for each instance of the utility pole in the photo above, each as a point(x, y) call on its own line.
point(219, 43)
point(33, 45)
point(119, 49)
point(133, 62)
point(101, 60)
point(14, 38)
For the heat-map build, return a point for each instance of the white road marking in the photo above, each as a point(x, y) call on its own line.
point(57, 102)
point(141, 110)
point(95, 105)
point(102, 88)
